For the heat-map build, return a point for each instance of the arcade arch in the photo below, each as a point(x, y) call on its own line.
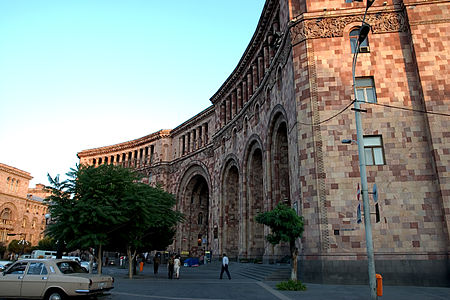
point(230, 209)
point(254, 199)
point(194, 204)
point(279, 158)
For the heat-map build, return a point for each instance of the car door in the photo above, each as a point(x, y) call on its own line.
point(35, 280)
point(11, 280)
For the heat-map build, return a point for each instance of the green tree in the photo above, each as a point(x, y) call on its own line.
point(286, 226)
point(47, 243)
point(107, 207)
point(19, 246)
point(151, 221)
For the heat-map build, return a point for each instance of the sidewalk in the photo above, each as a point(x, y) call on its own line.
point(203, 283)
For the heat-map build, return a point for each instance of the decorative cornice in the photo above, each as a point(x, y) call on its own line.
point(263, 27)
point(165, 133)
point(15, 171)
point(194, 120)
point(333, 26)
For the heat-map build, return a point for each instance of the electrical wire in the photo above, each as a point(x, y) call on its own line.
point(328, 119)
point(408, 109)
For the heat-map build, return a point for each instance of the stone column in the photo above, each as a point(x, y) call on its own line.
point(254, 77)
point(260, 68)
point(239, 98)
point(249, 86)
point(233, 103)
point(266, 57)
point(228, 110)
point(205, 133)
point(244, 92)
point(222, 114)
point(200, 136)
point(271, 49)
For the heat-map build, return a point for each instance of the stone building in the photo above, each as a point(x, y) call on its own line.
point(273, 133)
point(22, 211)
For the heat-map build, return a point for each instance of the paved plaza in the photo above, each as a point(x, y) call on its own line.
point(203, 283)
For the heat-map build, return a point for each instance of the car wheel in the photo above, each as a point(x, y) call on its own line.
point(55, 295)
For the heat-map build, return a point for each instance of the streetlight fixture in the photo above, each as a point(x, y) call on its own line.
point(363, 32)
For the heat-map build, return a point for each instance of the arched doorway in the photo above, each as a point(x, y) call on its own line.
point(255, 201)
point(193, 234)
point(230, 211)
point(280, 163)
point(279, 171)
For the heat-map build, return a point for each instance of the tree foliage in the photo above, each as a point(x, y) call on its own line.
point(19, 247)
point(47, 243)
point(106, 207)
point(286, 226)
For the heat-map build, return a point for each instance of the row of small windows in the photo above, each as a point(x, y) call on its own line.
point(12, 184)
point(140, 157)
point(194, 139)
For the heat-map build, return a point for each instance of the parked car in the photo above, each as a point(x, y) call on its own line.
point(85, 265)
point(51, 279)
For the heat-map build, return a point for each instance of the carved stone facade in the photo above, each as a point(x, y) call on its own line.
point(22, 211)
point(273, 134)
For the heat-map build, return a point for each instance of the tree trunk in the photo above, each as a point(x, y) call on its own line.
point(294, 255)
point(99, 260)
point(130, 262)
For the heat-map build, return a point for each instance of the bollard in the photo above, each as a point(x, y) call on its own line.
point(141, 266)
point(379, 284)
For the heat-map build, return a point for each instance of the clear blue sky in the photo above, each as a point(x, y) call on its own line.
point(80, 74)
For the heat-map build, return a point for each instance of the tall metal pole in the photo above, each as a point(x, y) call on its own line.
point(364, 185)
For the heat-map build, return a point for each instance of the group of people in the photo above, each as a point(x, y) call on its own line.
point(174, 264)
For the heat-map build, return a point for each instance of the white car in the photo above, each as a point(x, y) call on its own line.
point(51, 279)
point(85, 265)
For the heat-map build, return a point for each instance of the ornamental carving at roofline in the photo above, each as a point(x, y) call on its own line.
point(327, 27)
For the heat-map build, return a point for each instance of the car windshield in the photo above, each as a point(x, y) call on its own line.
point(69, 267)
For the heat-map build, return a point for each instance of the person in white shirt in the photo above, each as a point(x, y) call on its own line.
point(176, 267)
point(225, 262)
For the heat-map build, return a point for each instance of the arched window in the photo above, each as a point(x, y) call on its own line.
point(354, 34)
point(6, 216)
point(200, 219)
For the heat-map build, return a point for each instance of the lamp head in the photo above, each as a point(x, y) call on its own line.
point(369, 3)
point(363, 32)
point(346, 141)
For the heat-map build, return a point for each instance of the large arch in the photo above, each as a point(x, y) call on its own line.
point(253, 202)
point(279, 157)
point(230, 215)
point(194, 202)
point(278, 164)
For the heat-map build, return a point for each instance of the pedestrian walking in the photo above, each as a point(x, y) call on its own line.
point(176, 266)
point(156, 262)
point(225, 262)
point(171, 266)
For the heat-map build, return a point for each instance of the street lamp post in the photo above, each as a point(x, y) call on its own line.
point(364, 31)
